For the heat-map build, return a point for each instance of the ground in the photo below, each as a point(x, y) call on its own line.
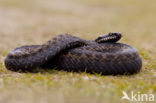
point(24, 22)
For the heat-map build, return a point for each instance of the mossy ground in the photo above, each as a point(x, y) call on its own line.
point(24, 22)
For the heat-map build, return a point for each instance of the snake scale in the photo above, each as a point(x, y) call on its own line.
point(66, 52)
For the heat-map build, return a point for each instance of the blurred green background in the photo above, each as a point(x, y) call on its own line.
point(24, 22)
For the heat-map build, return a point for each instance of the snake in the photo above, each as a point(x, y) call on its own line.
point(103, 55)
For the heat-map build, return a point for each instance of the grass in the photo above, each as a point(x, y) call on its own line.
point(26, 22)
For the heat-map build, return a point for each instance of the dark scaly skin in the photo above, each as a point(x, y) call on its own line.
point(66, 52)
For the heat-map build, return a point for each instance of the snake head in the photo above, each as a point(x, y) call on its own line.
point(110, 37)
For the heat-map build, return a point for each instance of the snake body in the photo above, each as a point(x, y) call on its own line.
point(66, 52)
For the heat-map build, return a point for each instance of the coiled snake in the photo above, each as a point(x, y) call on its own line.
point(102, 55)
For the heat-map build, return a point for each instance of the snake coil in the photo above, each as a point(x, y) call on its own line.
point(102, 55)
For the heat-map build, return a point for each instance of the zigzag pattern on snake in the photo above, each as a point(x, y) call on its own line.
point(66, 52)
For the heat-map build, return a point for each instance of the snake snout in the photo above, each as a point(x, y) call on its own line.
point(116, 35)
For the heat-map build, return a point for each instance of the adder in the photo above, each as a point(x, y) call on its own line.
point(66, 52)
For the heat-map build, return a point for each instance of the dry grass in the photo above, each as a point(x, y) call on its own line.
point(24, 22)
